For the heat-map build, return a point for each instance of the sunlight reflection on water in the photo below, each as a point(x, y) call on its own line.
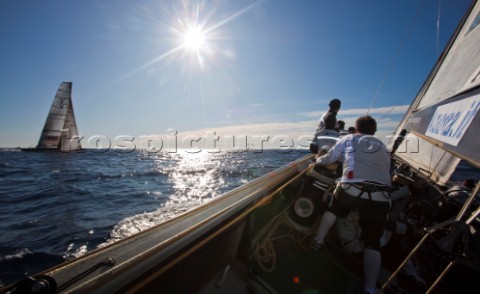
point(195, 178)
point(59, 206)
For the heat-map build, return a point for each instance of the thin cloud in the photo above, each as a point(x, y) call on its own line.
point(397, 109)
point(272, 134)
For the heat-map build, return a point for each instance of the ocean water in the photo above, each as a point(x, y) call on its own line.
point(56, 206)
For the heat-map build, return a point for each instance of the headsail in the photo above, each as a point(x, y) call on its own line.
point(60, 131)
point(443, 120)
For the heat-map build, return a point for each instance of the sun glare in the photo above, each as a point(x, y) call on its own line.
point(194, 38)
point(196, 34)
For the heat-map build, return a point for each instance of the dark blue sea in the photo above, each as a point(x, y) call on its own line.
point(57, 206)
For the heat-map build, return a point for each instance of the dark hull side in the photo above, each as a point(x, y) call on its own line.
point(49, 150)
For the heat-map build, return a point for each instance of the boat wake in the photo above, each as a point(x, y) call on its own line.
point(138, 223)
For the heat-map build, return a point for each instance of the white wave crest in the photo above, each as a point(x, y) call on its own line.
point(74, 253)
point(138, 223)
point(18, 255)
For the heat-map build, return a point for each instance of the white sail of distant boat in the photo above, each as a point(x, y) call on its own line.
point(60, 131)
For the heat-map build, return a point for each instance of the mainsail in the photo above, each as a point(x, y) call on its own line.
point(60, 131)
point(442, 123)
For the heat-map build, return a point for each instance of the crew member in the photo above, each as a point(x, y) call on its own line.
point(364, 185)
point(326, 127)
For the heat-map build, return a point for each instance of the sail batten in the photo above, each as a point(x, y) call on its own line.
point(60, 131)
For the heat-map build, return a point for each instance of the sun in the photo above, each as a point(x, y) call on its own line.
point(197, 34)
point(194, 38)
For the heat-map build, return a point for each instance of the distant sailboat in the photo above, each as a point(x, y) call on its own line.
point(60, 132)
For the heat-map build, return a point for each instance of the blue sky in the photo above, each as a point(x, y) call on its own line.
point(264, 68)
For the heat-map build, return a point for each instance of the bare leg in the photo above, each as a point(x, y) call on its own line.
point(328, 219)
point(372, 260)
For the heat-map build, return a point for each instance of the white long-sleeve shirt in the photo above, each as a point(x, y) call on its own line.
point(327, 121)
point(364, 158)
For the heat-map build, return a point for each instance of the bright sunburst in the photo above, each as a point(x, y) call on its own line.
point(196, 31)
point(194, 38)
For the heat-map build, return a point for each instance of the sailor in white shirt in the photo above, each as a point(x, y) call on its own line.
point(325, 132)
point(364, 185)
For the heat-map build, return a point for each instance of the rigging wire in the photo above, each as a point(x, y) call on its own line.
point(438, 25)
point(389, 111)
point(394, 59)
point(397, 104)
